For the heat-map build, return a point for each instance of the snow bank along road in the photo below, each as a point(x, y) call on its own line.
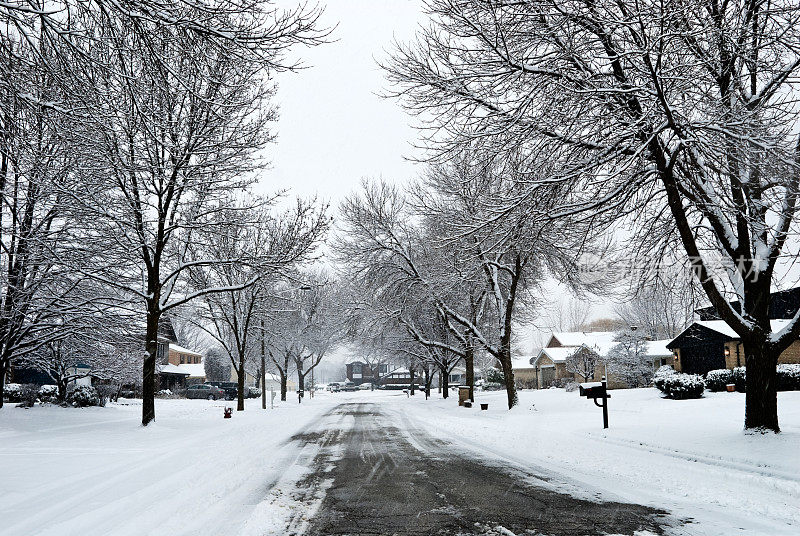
point(381, 463)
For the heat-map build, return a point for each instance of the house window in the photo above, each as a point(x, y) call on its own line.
point(382, 369)
point(182, 360)
point(356, 368)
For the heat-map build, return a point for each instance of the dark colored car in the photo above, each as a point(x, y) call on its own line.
point(204, 390)
point(231, 389)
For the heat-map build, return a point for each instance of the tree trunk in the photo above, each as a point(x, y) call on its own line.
point(301, 377)
point(469, 364)
point(761, 398)
point(283, 385)
point(149, 365)
point(263, 381)
point(411, 386)
point(444, 381)
point(62, 390)
point(3, 368)
point(241, 375)
point(428, 381)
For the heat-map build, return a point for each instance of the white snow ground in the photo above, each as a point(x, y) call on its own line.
point(95, 471)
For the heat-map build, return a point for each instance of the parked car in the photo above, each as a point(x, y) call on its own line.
point(349, 386)
point(203, 390)
point(365, 386)
point(231, 389)
point(334, 387)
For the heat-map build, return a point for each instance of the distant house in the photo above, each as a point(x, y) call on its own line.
point(713, 344)
point(525, 374)
point(398, 376)
point(250, 377)
point(177, 366)
point(458, 376)
point(551, 362)
point(359, 372)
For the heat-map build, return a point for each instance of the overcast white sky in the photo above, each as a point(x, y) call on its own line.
point(334, 129)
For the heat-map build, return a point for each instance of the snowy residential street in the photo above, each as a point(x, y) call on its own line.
point(382, 463)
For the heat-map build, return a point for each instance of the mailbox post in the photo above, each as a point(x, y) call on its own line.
point(595, 390)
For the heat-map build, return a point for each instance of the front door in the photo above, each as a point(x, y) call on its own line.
point(548, 377)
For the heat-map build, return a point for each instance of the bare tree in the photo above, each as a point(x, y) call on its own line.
point(678, 120)
point(176, 123)
point(629, 359)
point(583, 362)
point(36, 220)
point(265, 247)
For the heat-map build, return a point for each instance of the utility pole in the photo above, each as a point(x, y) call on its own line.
point(263, 370)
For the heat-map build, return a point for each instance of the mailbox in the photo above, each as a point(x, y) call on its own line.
point(591, 389)
point(597, 391)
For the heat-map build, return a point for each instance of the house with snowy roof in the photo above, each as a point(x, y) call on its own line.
point(180, 367)
point(550, 364)
point(710, 343)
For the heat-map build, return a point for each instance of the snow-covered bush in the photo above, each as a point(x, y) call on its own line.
point(679, 386)
point(48, 393)
point(165, 392)
point(253, 392)
point(788, 377)
point(84, 395)
point(492, 386)
point(25, 393)
point(663, 372)
point(494, 375)
point(716, 380)
point(571, 386)
point(12, 392)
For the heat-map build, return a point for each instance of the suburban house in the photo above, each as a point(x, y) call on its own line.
point(458, 376)
point(710, 344)
point(250, 377)
point(359, 372)
point(177, 366)
point(551, 363)
point(182, 367)
point(525, 375)
point(397, 377)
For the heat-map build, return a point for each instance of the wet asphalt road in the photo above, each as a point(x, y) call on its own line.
point(386, 481)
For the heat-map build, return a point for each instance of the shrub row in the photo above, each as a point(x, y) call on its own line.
point(28, 394)
point(678, 386)
point(788, 378)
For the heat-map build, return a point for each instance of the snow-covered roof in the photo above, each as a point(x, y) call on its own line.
point(658, 348)
point(195, 370)
point(522, 362)
point(720, 326)
point(599, 341)
point(181, 350)
point(169, 368)
point(398, 371)
point(558, 354)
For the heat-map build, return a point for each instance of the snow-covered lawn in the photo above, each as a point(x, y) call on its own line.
point(96, 471)
point(690, 457)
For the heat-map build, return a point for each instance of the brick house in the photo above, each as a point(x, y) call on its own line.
point(551, 363)
point(710, 344)
point(713, 344)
